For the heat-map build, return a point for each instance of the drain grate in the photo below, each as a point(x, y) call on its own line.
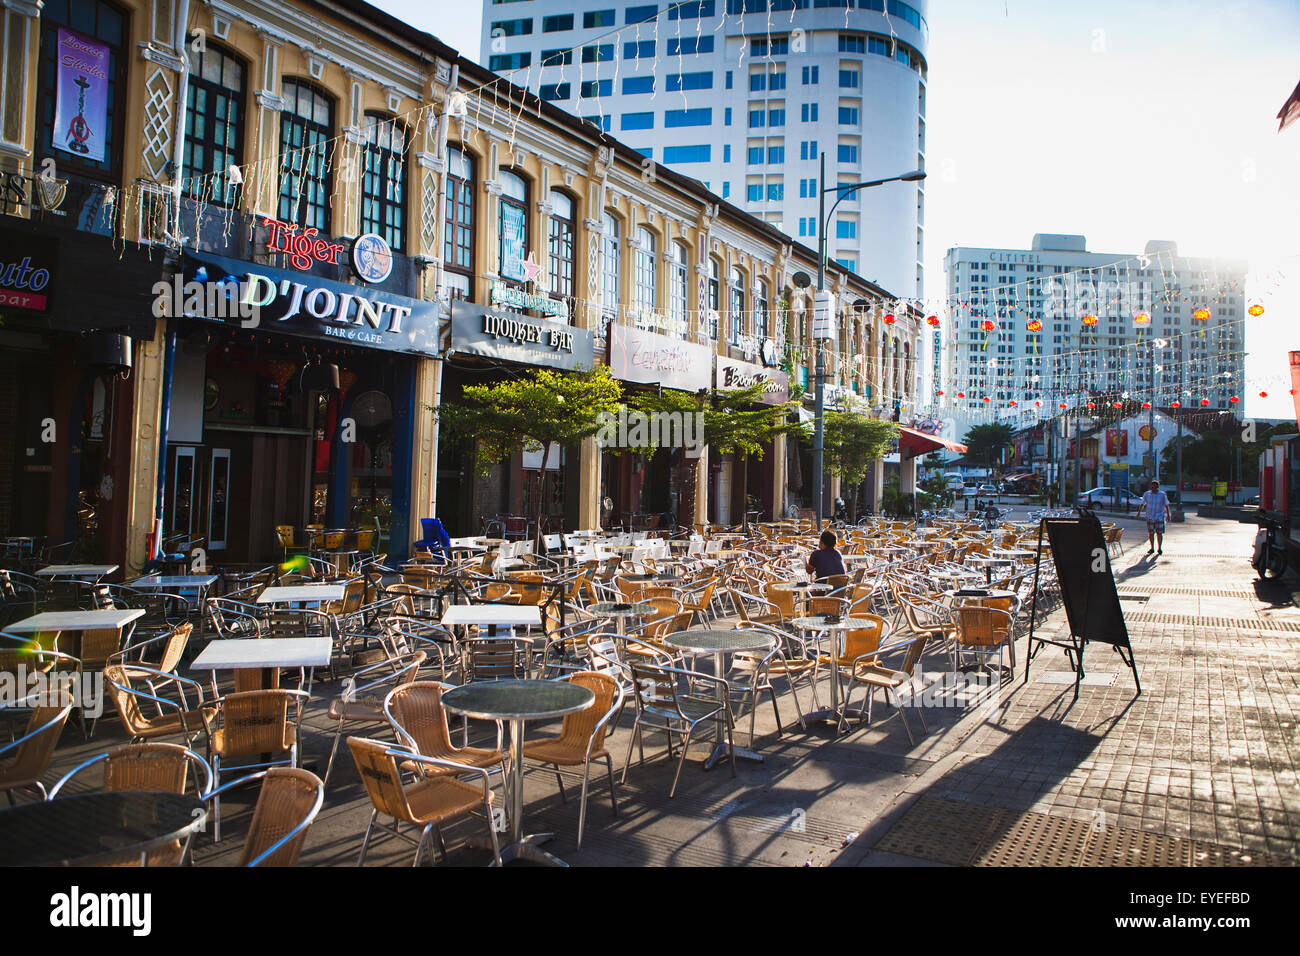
point(967, 834)
point(1227, 623)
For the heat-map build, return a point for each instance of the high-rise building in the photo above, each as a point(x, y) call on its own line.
point(1054, 323)
point(745, 95)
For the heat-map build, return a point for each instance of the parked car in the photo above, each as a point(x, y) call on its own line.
point(1105, 497)
point(987, 489)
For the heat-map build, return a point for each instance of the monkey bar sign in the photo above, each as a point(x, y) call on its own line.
point(303, 246)
point(81, 97)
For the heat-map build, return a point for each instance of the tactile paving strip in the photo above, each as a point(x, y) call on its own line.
point(968, 834)
point(1199, 620)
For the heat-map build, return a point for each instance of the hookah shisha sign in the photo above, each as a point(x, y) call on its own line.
point(81, 110)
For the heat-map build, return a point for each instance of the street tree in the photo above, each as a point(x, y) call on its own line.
point(988, 441)
point(851, 442)
point(543, 408)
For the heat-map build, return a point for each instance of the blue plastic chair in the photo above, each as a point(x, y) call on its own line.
point(435, 540)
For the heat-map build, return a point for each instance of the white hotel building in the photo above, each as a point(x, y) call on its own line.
point(1196, 307)
point(745, 95)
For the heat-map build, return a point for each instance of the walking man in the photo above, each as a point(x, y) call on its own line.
point(1155, 505)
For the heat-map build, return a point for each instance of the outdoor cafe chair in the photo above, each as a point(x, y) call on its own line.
point(983, 631)
point(252, 724)
point(287, 803)
point(498, 657)
point(25, 761)
point(582, 740)
point(792, 659)
point(400, 636)
point(235, 619)
point(675, 702)
point(175, 717)
point(415, 712)
point(362, 701)
point(872, 674)
point(753, 609)
point(429, 803)
point(171, 648)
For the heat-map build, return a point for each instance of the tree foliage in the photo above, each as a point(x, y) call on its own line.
point(1213, 454)
point(735, 420)
point(543, 407)
point(851, 441)
point(988, 441)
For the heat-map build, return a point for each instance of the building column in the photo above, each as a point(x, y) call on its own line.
point(876, 477)
point(906, 475)
point(424, 442)
point(778, 477)
point(146, 420)
point(589, 455)
point(702, 488)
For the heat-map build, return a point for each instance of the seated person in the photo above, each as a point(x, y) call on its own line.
point(825, 561)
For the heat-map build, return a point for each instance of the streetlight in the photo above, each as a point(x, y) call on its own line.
point(842, 191)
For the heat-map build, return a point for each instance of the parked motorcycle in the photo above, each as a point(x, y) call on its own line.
point(1269, 560)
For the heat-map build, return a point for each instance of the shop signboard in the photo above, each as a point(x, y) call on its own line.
point(638, 355)
point(252, 296)
point(733, 373)
point(515, 337)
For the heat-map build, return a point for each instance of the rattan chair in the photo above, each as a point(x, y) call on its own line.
point(253, 723)
point(983, 631)
point(363, 702)
point(582, 739)
point(417, 716)
point(872, 674)
point(174, 718)
point(666, 701)
point(286, 805)
point(24, 762)
point(430, 803)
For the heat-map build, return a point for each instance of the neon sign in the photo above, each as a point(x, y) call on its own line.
point(303, 246)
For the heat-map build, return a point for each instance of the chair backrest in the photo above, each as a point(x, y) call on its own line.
point(253, 721)
point(982, 626)
point(286, 622)
point(381, 777)
point(864, 640)
point(284, 535)
point(580, 726)
point(495, 658)
point(783, 598)
point(174, 647)
point(415, 710)
point(147, 766)
point(289, 798)
point(31, 757)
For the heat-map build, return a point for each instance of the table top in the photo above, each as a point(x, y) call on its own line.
point(302, 592)
point(234, 654)
point(647, 578)
point(517, 699)
point(714, 641)
point(611, 609)
point(175, 581)
point(986, 559)
point(985, 593)
point(1013, 552)
point(58, 570)
point(75, 620)
point(780, 586)
point(818, 623)
point(88, 827)
point(512, 615)
point(489, 541)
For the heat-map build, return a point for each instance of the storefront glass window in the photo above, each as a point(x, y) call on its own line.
point(560, 245)
point(383, 180)
point(214, 126)
point(645, 278)
point(458, 249)
point(512, 227)
point(306, 172)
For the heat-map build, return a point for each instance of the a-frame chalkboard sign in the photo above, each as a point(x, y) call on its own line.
point(1087, 590)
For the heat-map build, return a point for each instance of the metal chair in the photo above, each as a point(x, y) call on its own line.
point(253, 723)
point(364, 702)
point(287, 804)
point(27, 759)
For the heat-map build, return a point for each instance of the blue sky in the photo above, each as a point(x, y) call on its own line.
point(1121, 120)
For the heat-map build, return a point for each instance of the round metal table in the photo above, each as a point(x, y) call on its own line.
point(86, 829)
point(621, 612)
point(719, 644)
point(519, 701)
point(819, 624)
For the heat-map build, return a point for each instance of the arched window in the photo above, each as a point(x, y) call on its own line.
point(214, 125)
point(737, 306)
point(610, 280)
point(383, 179)
point(458, 247)
point(678, 289)
point(306, 174)
point(762, 319)
point(512, 227)
point(560, 245)
point(645, 276)
point(715, 297)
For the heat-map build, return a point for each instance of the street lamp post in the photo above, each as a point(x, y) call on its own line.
point(842, 192)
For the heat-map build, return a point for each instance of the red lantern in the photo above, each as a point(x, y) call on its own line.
point(1089, 319)
point(986, 398)
point(1012, 403)
point(1116, 404)
point(1142, 318)
point(1146, 404)
point(1034, 325)
point(1234, 400)
point(889, 318)
point(1176, 404)
point(932, 319)
point(1092, 404)
point(961, 394)
point(1205, 401)
point(1037, 404)
point(1201, 315)
point(988, 325)
point(1263, 394)
point(1256, 309)
point(1062, 406)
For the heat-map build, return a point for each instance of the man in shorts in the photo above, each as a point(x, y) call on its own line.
point(1155, 505)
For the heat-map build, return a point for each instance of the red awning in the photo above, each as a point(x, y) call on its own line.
point(912, 443)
